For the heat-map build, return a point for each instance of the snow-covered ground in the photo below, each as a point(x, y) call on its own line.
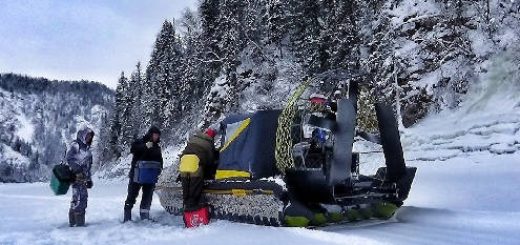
point(469, 200)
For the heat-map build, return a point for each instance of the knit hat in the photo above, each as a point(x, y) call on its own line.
point(210, 132)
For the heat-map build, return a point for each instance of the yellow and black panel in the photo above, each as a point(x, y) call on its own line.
point(248, 147)
point(231, 174)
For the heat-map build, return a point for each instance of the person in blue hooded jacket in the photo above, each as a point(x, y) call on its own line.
point(79, 159)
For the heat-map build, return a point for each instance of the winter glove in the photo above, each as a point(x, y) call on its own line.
point(149, 144)
point(80, 177)
point(89, 184)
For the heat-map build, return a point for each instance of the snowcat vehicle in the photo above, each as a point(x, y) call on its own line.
point(295, 166)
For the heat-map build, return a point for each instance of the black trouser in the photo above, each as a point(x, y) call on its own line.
point(192, 187)
point(133, 192)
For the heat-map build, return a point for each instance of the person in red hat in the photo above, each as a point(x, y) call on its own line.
point(197, 161)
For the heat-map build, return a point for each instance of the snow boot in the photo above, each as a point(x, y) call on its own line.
point(80, 218)
point(145, 214)
point(72, 218)
point(127, 213)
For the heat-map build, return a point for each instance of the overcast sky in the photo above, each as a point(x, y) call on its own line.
point(81, 39)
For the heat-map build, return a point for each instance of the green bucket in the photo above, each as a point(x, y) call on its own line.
point(59, 187)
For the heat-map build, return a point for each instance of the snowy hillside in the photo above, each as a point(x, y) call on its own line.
point(488, 120)
point(465, 190)
point(39, 118)
point(240, 56)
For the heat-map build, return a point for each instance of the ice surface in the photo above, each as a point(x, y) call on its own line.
point(458, 201)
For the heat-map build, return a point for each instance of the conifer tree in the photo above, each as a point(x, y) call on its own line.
point(163, 74)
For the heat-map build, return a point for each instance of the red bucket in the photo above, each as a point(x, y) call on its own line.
point(196, 218)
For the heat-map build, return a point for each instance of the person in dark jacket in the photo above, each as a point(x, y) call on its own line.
point(79, 159)
point(145, 149)
point(198, 161)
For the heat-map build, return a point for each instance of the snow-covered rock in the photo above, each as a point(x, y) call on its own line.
point(39, 118)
